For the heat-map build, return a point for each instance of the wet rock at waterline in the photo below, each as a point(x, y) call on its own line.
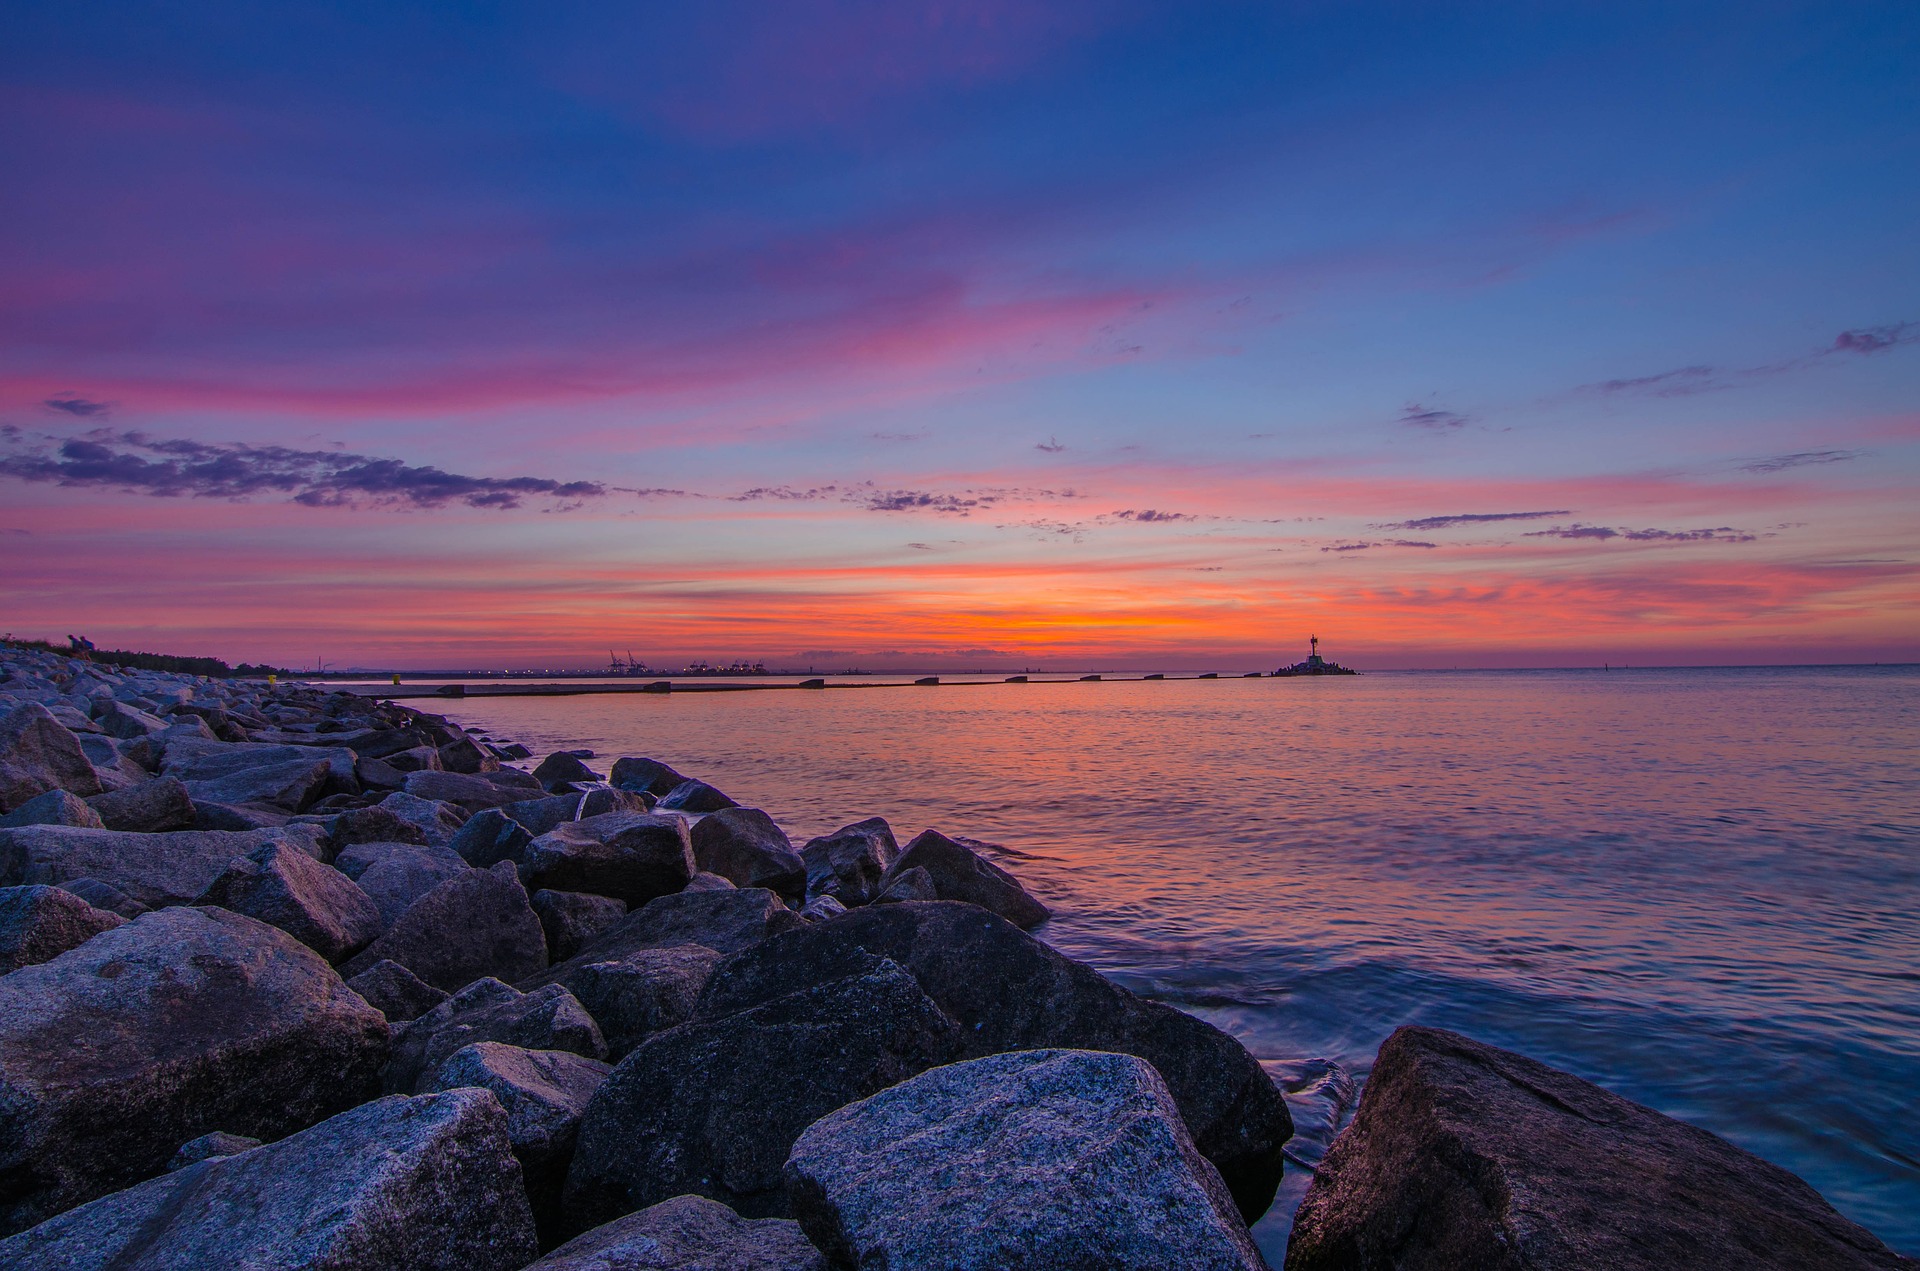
point(1462, 1154)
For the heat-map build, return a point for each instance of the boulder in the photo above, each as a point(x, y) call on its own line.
point(557, 772)
point(118, 719)
point(55, 807)
point(647, 775)
point(419, 759)
point(960, 873)
point(402, 876)
point(744, 846)
point(437, 822)
point(177, 1023)
point(355, 860)
point(491, 836)
point(284, 777)
point(572, 918)
point(633, 856)
point(111, 763)
point(1011, 992)
point(235, 817)
point(724, 921)
point(314, 903)
point(382, 742)
point(377, 824)
point(426, 1184)
point(38, 924)
point(210, 1146)
point(693, 796)
point(552, 811)
point(1465, 1155)
point(155, 869)
point(470, 926)
point(907, 885)
point(38, 754)
point(378, 774)
point(1031, 1161)
point(703, 881)
point(462, 790)
point(545, 1094)
point(712, 1107)
point(646, 992)
point(847, 864)
point(151, 807)
point(396, 992)
point(464, 755)
point(104, 896)
point(488, 1011)
point(687, 1233)
point(821, 908)
point(289, 784)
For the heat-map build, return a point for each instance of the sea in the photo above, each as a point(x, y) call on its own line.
point(1699, 888)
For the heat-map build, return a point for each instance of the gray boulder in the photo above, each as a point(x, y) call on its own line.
point(703, 881)
point(38, 924)
point(425, 1184)
point(288, 784)
point(744, 846)
point(151, 807)
point(177, 1023)
point(693, 796)
point(473, 925)
point(378, 774)
point(464, 755)
point(210, 1146)
point(1041, 1160)
point(104, 896)
point(821, 908)
point(1465, 1155)
point(491, 836)
point(712, 1107)
point(907, 885)
point(1009, 991)
point(552, 811)
point(559, 771)
point(644, 775)
point(155, 869)
point(724, 921)
point(470, 792)
point(687, 1233)
point(960, 873)
point(545, 1093)
point(377, 824)
point(356, 859)
point(118, 719)
point(437, 822)
point(418, 759)
point(38, 754)
point(572, 918)
point(55, 807)
point(396, 992)
point(314, 903)
point(488, 1011)
point(645, 992)
point(400, 878)
point(632, 856)
point(285, 777)
point(847, 864)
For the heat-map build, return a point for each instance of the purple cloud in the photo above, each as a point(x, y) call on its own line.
point(175, 467)
point(1150, 516)
point(1466, 518)
point(1719, 534)
point(1432, 418)
point(70, 404)
point(1801, 459)
point(1680, 382)
point(1876, 339)
point(1051, 445)
point(917, 501)
point(1391, 542)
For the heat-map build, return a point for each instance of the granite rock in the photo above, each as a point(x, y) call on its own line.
point(475, 924)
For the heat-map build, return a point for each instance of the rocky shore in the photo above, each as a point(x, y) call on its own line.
point(303, 979)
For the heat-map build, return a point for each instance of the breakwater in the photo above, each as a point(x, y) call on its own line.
point(429, 998)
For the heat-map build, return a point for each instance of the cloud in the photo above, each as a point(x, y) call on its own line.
point(1719, 534)
point(175, 467)
point(921, 547)
point(1151, 516)
point(917, 501)
point(896, 436)
point(1876, 339)
point(1392, 542)
point(784, 493)
point(1051, 445)
point(1466, 518)
point(1679, 382)
point(68, 403)
point(1432, 418)
point(1800, 459)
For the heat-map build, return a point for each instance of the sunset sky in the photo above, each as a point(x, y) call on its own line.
point(1101, 335)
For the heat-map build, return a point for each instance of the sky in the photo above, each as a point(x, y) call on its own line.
point(1112, 335)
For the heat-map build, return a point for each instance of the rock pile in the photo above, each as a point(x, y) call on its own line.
point(303, 979)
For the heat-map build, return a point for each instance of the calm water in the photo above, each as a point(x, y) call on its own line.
point(1699, 888)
